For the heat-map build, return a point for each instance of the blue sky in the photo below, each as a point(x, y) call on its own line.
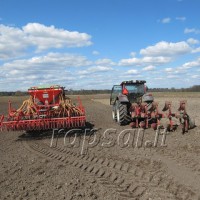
point(93, 44)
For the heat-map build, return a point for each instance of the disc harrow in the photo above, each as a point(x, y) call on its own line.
point(145, 115)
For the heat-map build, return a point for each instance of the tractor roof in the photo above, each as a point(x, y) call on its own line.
point(133, 82)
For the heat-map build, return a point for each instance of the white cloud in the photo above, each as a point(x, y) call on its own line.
point(197, 50)
point(169, 69)
point(149, 68)
point(159, 54)
point(14, 41)
point(166, 49)
point(175, 71)
point(158, 78)
point(145, 61)
point(45, 37)
point(83, 72)
point(49, 60)
point(192, 41)
point(100, 69)
point(105, 61)
point(172, 76)
point(65, 68)
point(95, 53)
point(51, 68)
point(181, 18)
point(133, 54)
point(166, 20)
point(95, 69)
point(195, 76)
point(191, 64)
point(183, 71)
point(132, 71)
point(191, 30)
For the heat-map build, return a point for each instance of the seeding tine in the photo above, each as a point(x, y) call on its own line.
point(167, 106)
point(182, 106)
point(154, 107)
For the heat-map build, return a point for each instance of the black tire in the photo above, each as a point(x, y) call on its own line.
point(122, 113)
point(114, 114)
point(191, 123)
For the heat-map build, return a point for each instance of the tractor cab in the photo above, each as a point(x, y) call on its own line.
point(133, 87)
point(130, 90)
point(134, 90)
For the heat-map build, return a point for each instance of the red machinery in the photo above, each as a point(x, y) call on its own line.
point(47, 108)
point(143, 116)
point(131, 104)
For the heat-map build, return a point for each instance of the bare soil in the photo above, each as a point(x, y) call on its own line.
point(105, 163)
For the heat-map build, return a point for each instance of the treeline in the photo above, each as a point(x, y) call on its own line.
point(67, 92)
point(195, 88)
point(17, 93)
point(86, 92)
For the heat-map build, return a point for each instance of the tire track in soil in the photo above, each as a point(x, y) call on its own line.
point(188, 159)
point(193, 162)
point(129, 181)
point(185, 169)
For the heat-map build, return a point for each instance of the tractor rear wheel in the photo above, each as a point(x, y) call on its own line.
point(122, 113)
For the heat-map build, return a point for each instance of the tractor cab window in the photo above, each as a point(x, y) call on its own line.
point(116, 90)
point(137, 89)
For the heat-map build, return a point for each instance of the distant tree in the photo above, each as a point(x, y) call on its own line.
point(18, 93)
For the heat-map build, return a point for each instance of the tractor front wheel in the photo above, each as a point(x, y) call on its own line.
point(114, 115)
point(122, 114)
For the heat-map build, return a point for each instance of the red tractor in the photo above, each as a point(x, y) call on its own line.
point(132, 104)
point(47, 108)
